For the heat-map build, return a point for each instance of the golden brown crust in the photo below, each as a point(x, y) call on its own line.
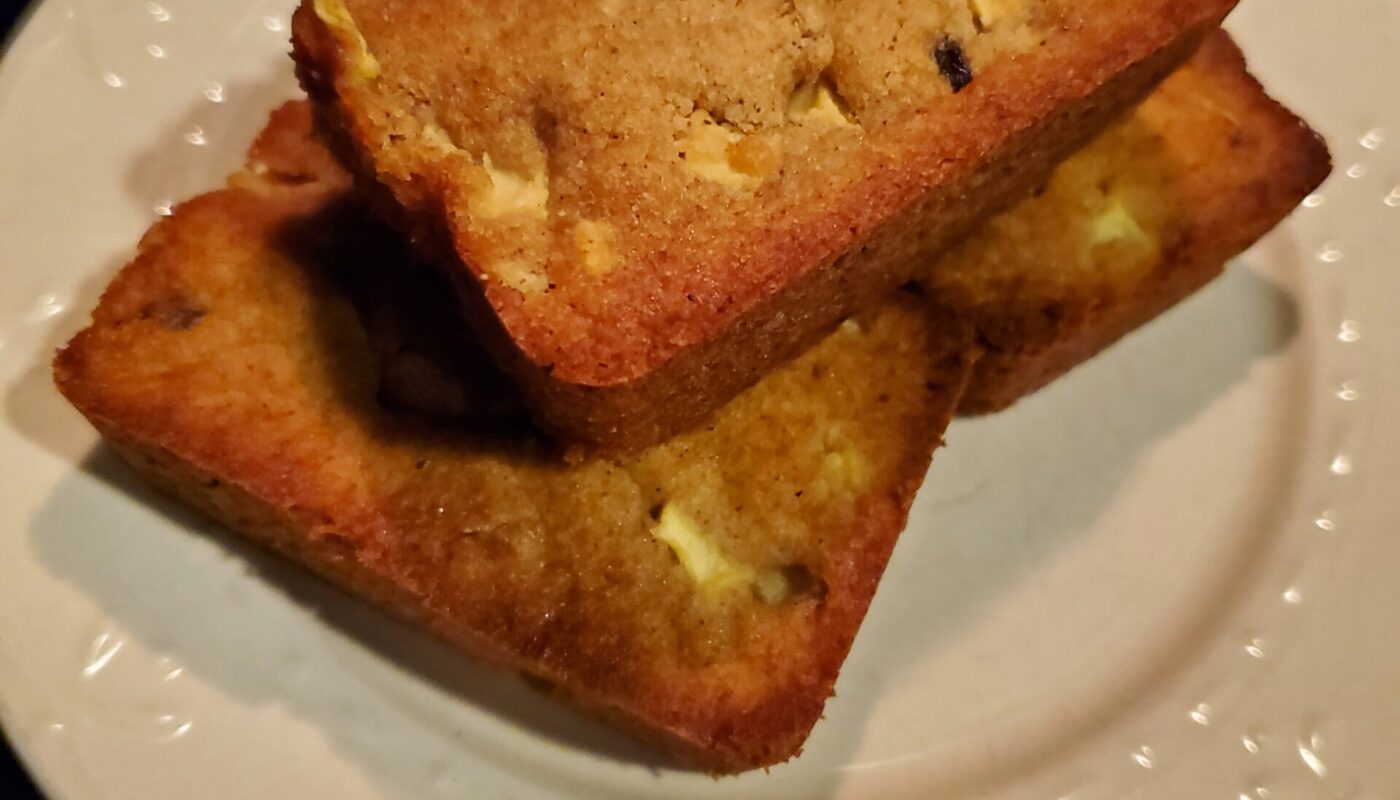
point(1212, 162)
point(235, 363)
point(223, 297)
point(651, 351)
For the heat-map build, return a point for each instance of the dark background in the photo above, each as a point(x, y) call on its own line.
point(14, 784)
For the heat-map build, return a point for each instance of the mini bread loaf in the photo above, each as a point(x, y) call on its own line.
point(274, 358)
point(645, 207)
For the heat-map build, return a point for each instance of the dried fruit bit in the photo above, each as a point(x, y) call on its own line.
point(818, 101)
point(364, 66)
point(594, 242)
point(952, 62)
point(987, 14)
point(698, 553)
point(512, 192)
point(713, 152)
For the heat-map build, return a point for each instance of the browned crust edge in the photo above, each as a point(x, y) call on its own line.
point(886, 239)
point(767, 734)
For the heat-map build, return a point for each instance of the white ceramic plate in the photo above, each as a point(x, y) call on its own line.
point(1174, 574)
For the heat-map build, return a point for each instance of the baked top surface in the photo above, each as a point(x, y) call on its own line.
point(270, 335)
point(624, 177)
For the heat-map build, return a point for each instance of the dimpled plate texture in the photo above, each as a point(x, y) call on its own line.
point(1172, 574)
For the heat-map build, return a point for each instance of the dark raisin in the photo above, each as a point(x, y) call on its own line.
point(952, 62)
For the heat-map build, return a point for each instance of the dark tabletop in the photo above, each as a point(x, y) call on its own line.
point(14, 784)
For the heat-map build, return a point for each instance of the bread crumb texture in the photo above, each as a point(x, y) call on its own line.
point(747, 110)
